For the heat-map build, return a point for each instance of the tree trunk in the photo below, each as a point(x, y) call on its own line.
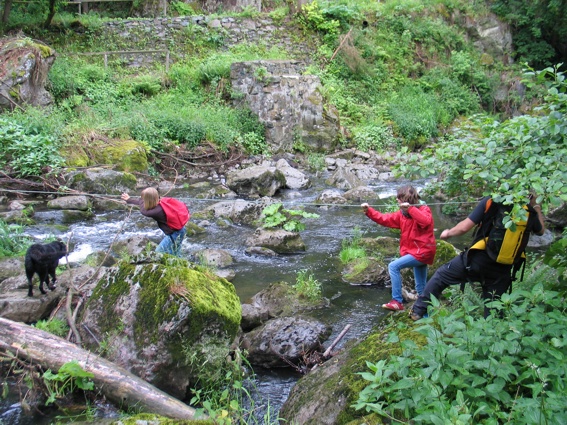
point(7, 8)
point(118, 385)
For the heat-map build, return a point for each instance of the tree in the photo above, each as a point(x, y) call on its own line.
point(506, 159)
point(539, 28)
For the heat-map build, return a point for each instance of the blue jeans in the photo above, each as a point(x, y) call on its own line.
point(419, 272)
point(171, 244)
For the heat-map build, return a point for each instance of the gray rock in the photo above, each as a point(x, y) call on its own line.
point(283, 340)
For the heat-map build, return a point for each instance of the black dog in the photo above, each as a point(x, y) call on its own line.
point(43, 259)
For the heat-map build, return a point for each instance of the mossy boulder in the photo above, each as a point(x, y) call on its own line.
point(122, 155)
point(24, 66)
point(165, 321)
point(101, 181)
point(326, 394)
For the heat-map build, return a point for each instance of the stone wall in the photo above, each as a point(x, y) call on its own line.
point(288, 103)
point(175, 34)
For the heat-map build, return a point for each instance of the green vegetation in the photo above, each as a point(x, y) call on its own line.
point(70, 377)
point(276, 216)
point(55, 326)
point(230, 400)
point(520, 154)
point(400, 73)
point(12, 241)
point(351, 248)
point(307, 286)
point(468, 373)
point(27, 151)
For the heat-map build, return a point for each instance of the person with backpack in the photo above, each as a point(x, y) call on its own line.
point(170, 214)
point(495, 253)
point(417, 241)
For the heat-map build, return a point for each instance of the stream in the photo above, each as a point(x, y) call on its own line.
point(357, 306)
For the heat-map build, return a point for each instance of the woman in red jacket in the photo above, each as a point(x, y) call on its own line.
point(417, 242)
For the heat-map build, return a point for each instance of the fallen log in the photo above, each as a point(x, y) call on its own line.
point(118, 385)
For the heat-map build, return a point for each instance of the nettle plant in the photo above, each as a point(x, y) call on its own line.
point(276, 216)
point(508, 368)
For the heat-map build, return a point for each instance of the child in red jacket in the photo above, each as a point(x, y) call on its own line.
point(417, 241)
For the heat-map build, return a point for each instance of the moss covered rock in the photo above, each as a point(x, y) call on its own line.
point(122, 155)
point(326, 394)
point(101, 181)
point(165, 321)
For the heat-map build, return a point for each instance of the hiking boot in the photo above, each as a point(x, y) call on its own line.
point(394, 305)
point(414, 316)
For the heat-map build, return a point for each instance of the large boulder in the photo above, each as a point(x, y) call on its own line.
point(237, 211)
point(278, 240)
point(294, 179)
point(101, 181)
point(17, 306)
point(284, 340)
point(123, 155)
point(166, 322)
point(256, 181)
point(24, 65)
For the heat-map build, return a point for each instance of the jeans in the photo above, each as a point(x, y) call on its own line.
point(171, 244)
point(419, 272)
point(494, 278)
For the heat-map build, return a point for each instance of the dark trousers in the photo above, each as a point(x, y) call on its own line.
point(478, 267)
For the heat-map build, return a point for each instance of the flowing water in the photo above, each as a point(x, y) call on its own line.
point(357, 306)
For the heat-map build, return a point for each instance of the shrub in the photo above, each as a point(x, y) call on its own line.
point(55, 326)
point(416, 115)
point(476, 370)
point(373, 137)
point(25, 152)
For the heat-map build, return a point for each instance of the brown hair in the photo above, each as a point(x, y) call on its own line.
point(150, 197)
point(408, 194)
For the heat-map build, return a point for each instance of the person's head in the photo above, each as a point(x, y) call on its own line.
point(150, 196)
point(408, 194)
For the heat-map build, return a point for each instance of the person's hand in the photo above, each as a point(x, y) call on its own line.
point(404, 205)
point(125, 196)
point(445, 234)
point(364, 206)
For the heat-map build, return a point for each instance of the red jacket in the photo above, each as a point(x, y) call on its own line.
point(417, 237)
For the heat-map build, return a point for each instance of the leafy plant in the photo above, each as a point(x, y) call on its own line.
point(506, 159)
point(27, 153)
point(275, 215)
point(316, 161)
point(55, 326)
point(307, 286)
point(555, 258)
point(12, 240)
point(71, 376)
point(476, 370)
point(374, 137)
point(228, 398)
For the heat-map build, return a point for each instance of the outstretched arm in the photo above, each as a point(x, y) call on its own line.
point(460, 229)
